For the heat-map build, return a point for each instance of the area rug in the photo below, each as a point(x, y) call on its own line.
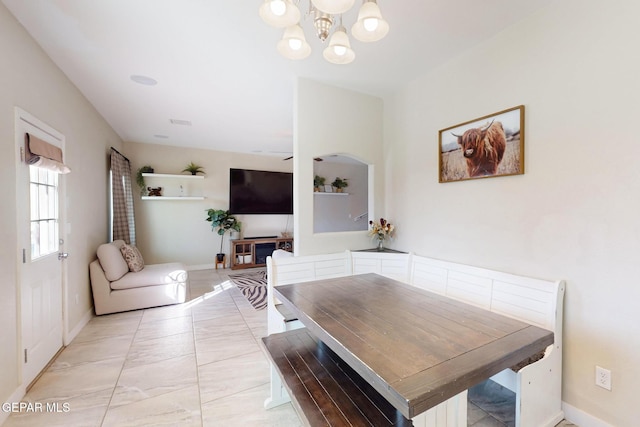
point(253, 285)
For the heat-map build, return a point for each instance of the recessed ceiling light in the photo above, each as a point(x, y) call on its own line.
point(161, 136)
point(180, 122)
point(143, 80)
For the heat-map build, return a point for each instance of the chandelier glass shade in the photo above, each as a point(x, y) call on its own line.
point(326, 15)
point(370, 26)
point(339, 50)
point(279, 13)
point(293, 44)
point(333, 7)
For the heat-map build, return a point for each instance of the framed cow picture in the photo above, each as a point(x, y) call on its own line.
point(485, 147)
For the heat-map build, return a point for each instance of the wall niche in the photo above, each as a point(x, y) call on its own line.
point(346, 211)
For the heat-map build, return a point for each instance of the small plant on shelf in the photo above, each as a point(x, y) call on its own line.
point(318, 183)
point(140, 178)
point(340, 184)
point(193, 169)
point(221, 222)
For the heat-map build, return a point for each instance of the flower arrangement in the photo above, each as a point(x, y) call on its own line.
point(381, 230)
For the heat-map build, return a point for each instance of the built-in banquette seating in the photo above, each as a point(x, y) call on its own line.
point(537, 385)
point(120, 282)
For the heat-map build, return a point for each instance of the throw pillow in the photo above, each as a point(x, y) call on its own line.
point(133, 257)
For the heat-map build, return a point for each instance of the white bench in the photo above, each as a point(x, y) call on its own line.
point(539, 302)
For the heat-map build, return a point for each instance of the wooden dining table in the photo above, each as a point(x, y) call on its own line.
point(416, 348)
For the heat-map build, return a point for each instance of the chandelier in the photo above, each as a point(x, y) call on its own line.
point(326, 14)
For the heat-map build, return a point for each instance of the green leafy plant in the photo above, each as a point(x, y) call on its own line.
point(221, 222)
point(340, 183)
point(193, 169)
point(318, 181)
point(140, 178)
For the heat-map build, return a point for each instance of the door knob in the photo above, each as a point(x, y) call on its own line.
point(62, 255)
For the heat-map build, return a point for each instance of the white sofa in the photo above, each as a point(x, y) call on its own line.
point(116, 288)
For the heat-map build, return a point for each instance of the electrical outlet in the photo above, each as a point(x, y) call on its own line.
point(603, 378)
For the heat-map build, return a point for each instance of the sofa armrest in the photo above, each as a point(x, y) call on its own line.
point(100, 285)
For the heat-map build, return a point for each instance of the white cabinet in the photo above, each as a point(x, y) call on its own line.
point(175, 187)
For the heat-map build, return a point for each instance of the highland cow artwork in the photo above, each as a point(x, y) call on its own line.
point(486, 147)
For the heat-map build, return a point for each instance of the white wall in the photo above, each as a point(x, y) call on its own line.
point(574, 214)
point(31, 81)
point(330, 120)
point(169, 231)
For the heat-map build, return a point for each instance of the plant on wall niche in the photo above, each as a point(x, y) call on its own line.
point(140, 178)
point(223, 221)
point(318, 182)
point(340, 184)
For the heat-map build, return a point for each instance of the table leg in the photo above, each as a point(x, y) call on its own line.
point(279, 395)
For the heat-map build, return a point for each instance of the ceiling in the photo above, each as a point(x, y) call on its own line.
point(217, 67)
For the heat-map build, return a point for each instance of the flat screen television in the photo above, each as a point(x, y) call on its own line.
point(260, 192)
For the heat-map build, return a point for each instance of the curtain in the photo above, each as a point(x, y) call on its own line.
point(123, 226)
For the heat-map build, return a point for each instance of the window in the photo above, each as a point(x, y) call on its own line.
point(43, 190)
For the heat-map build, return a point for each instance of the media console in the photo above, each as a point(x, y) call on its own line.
point(253, 252)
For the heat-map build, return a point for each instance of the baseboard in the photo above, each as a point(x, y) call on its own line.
point(581, 418)
point(16, 396)
point(70, 335)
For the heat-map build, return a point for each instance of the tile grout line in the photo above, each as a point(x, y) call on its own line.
point(255, 339)
point(115, 386)
point(195, 358)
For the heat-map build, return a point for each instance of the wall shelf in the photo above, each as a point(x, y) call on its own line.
point(174, 176)
point(175, 186)
point(330, 194)
point(172, 198)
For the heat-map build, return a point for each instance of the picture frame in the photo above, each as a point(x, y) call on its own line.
point(486, 147)
point(328, 188)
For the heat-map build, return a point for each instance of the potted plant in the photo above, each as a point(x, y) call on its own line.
point(222, 221)
point(340, 184)
point(140, 178)
point(193, 169)
point(318, 183)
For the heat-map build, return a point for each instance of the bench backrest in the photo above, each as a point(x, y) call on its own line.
point(283, 271)
point(393, 265)
point(535, 301)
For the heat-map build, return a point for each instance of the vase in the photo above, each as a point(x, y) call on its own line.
point(380, 245)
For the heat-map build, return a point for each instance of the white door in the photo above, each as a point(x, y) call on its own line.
point(40, 270)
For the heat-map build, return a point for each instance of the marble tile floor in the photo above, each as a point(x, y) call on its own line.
point(195, 364)
point(491, 405)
